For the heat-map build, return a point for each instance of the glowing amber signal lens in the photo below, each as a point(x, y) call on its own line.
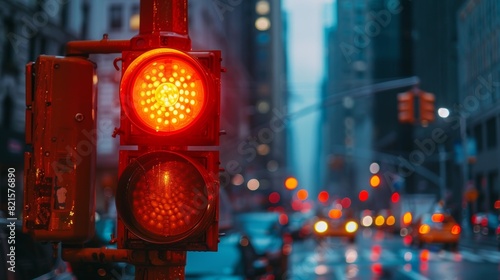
point(164, 197)
point(164, 91)
point(375, 181)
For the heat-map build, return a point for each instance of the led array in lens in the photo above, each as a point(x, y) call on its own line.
point(168, 94)
point(163, 198)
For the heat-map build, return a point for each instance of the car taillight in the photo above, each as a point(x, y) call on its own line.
point(484, 222)
point(455, 229)
point(438, 218)
point(390, 221)
point(424, 229)
point(474, 219)
point(407, 218)
point(498, 230)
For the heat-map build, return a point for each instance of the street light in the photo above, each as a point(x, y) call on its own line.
point(442, 113)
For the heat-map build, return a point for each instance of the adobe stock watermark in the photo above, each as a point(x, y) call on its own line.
point(483, 92)
point(372, 28)
point(30, 26)
point(223, 6)
point(248, 148)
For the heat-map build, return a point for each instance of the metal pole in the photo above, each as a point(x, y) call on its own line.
point(442, 170)
point(465, 168)
point(157, 16)
point(170, 265)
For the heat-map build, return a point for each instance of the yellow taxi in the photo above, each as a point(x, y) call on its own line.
point(436, 228)
point(336, 225)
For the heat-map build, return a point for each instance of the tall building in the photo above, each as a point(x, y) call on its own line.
point(251, 36)
point(29, 28)
point(369, 45)
point(264, 59)
point(346, 124)
point(479, 94)
point(435, 62)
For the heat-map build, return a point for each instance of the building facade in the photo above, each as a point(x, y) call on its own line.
point(479, 94)
point(29, 28)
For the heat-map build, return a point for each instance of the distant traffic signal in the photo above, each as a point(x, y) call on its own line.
point(59, 190)
point(427, 110)
point(406, 107)
point(375, 180)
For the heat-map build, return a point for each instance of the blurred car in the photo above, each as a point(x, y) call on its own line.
point(269, 238)
point(497, 234)
point(485, 223)
point(384, 220)
point(336, 226)
point(299, 226)
point(235, 259)
point(436, 228)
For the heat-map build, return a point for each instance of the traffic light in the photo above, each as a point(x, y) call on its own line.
point(427, 110)
point(59, 191)
point(168, 189)
point(406, 107)
point(375, 180)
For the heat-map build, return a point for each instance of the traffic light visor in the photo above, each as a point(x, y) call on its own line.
point(164, 197)
point(164, 91)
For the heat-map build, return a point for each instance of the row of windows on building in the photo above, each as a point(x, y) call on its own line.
point(482, 57)
point(117, 16)
point(486, 134)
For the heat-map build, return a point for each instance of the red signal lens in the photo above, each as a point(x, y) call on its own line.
point(163, 197)
point(164, 91)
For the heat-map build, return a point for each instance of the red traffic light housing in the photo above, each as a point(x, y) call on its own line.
point(427, 110)
point(167, 194)
point(406, 107)
point(59, 170)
